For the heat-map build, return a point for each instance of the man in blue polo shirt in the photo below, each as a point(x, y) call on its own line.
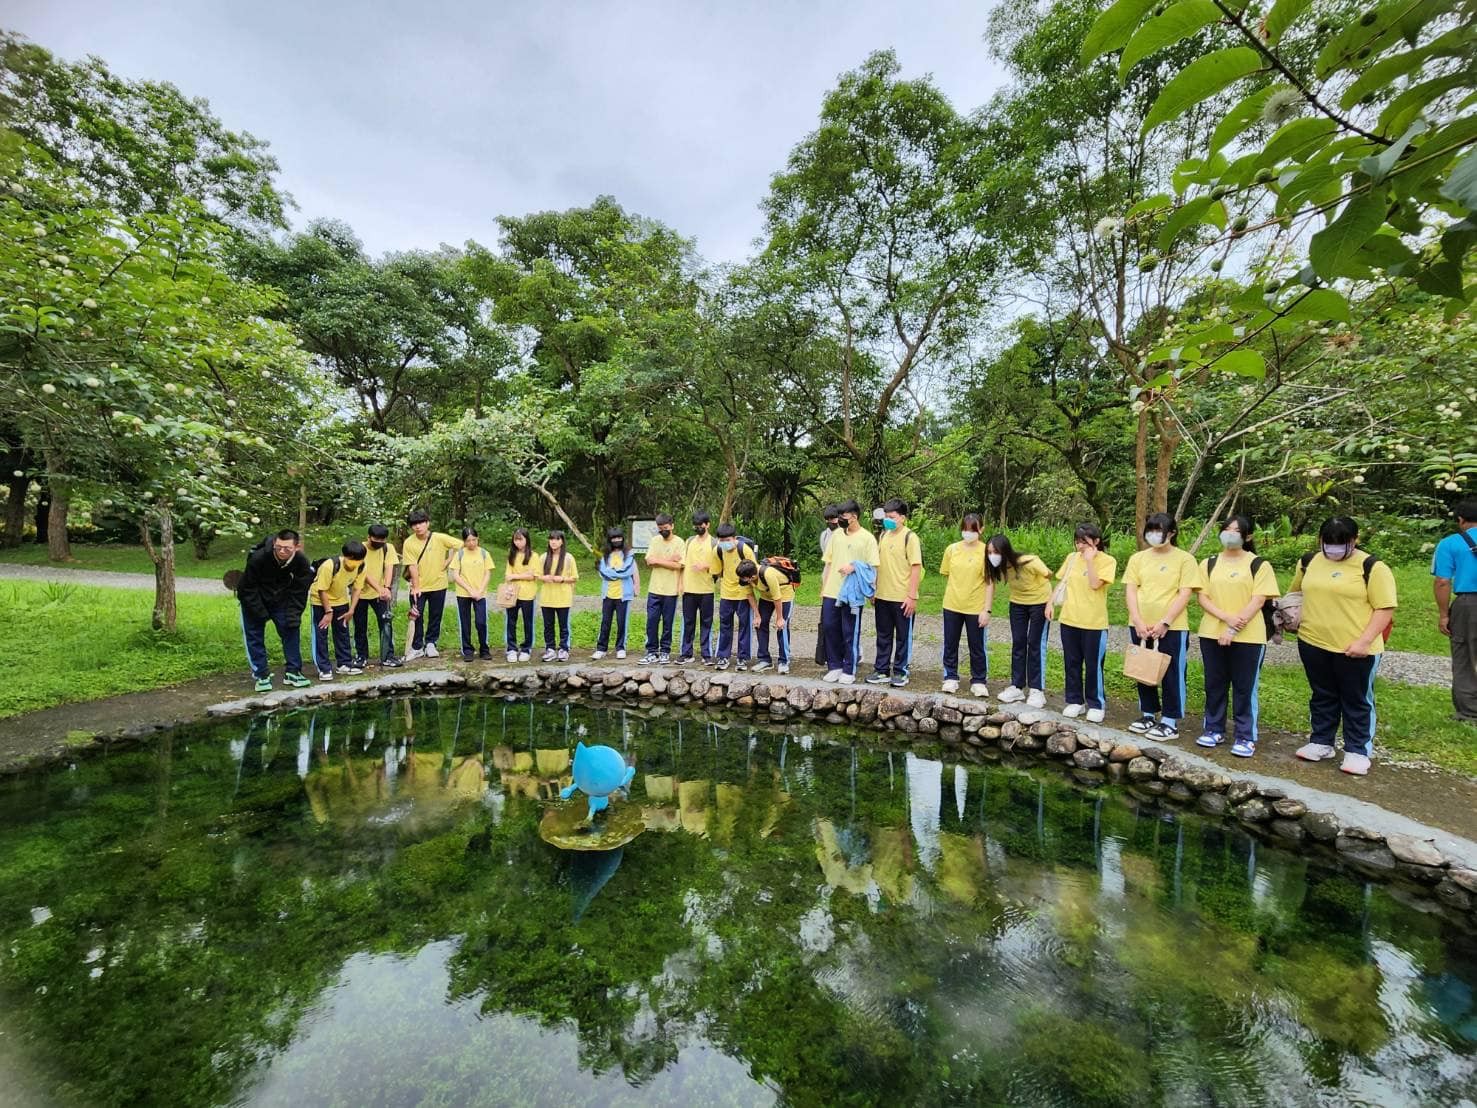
point(1455, 569)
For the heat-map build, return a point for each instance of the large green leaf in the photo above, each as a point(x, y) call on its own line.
point(1401, 111)
point(1150, 204)
point(1320, 304)
point(1295, 137)
point(1455, 43)
point(1200, 210)
point(1377, 166)
point(1300, 186)
point(1283, 14)
point(1360, 41)
point(1202, 78)
point(1179, 21)
point(1244, 362)
point(1114, 28)
point(1461, 186)
point(1332, 248)
point(1242, 116)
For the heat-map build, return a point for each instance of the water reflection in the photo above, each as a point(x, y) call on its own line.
point(258, 911)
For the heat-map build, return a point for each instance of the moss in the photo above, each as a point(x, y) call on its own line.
point(1082, 1061)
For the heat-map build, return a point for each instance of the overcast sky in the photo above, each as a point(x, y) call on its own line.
point(420, 123)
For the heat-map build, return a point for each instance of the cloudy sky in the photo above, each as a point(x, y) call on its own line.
point(420, 123)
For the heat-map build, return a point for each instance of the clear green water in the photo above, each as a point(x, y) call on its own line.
point(310, 910)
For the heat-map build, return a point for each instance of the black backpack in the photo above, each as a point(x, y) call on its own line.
point(1269, 605)
point(316, 562)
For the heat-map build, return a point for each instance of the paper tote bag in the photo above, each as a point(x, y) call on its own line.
point(1145, 664)
point(506, 595)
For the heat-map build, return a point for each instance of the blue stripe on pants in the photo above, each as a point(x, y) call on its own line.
point(1341, 689)
point(660, 611)
point(1028, 634)
point(894, 638)
point(974, 634)
point(1231, 672)
point(1166, 700)
point(731, 613)
point(1083, 649)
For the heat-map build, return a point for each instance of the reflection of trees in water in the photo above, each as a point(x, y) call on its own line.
point(867, 924)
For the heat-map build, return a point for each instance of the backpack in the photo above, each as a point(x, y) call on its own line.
point(1370, 561)
point(1269, 606)
point(750, 543)
point(785, 565)
point(316, 562)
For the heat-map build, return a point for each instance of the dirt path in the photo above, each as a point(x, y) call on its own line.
point(1403, 666)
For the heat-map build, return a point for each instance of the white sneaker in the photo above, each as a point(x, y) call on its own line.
point(1357, 764)
point(1037, 699)
point(1072, 711)
point(595, 657)
point(784, 667)
point(431, 651)
point(760, 667)
point(979, 689)
point(832, 675)
point(951, 686)
point(846, 679)
point(325, 675)
point(620, 655)
point(1011, 695)
point(1095, 715)
point(550, 654)
point(1315, 752)
point(512, 655)
point(564, 655)
point(412, 654)
point(523, 655)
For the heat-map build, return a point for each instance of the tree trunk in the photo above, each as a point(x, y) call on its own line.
point(43, 514)
point(15, 508)
point(730, 483)
point(58, 549)
point(1141, 473)
point(302, 509)
point(558, 509)
point(876, 470)
point(164, 616)
point(1169, 444)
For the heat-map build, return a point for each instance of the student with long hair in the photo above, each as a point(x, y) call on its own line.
point(965, 608)
point(556, 596)
point(1027, 581)
point(1158, 581)
point(1085, 576)
point(471, 570)
point(521, 569)
point(1233, 588)
point(617, 568)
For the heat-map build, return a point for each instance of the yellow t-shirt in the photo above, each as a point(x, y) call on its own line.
point(1159, 578)
point(614, 590)
point(772, 584)
point(897, 553)
point(727, 564)
point(1029, 582)
point(1230, 588)
point(663, 581)
point(429, 556)
point(376, 562)
point(843, 549)
point(474, 567)
point(964, 566)
point(527, 590)
point(557, 595)
point(1086, 607)
point(699, 564)
point(1337, 604)
point(338, 583)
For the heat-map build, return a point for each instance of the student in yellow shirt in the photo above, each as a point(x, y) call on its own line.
point(1028, 585)
point(734, 599)
point(697, 590)
point(899, 573)
point(521, 568)
point(556, 595)
point(1233, 588)
point(618, 569)
point(664, 560)
point(1085, 577)
point(841, 623)
point(334, 592)
point(471, 569)
point(425, 555)
point(1158, 581)
point(965, 607)
point(773, 598)
point(1348, 603)
point(380, 561)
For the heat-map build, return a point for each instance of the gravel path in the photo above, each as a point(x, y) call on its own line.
point(1397, 665)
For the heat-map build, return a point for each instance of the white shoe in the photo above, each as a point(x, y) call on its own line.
point(979, 689)
point(1011, 695)
point(1072, 711)
point(412, 654)
point(595, 657)
point(564, 655)
point(325, 675)
point(523, 655)
point(1357, 764)
point(951, 686)
point(846, 679)
point(512, 655)
point(1315, 752)
point(832, 675)
point(1095, 715)
point(1037, 699)
point(620, 655)
point(431, 651)
point(760, 667)
point(784, 667)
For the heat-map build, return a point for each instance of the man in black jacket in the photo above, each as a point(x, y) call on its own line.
point(274, 589)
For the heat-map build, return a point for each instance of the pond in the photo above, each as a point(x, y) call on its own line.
point(353, 905)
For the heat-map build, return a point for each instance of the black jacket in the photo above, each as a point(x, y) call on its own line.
point(267, 586)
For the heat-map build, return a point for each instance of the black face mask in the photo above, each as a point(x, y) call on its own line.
point(702, 528)
point(833, 524)
point(616, 544)
point(375, 544)
point(665, 532)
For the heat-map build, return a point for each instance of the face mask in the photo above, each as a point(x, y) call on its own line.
point(889, 525)
point(616, 544)
point(1155, 538)
point(665, 532)
point(375, 544)
point(1335, 552)
point(727, 544)
point(833, 523)
point(1231, 540)
point(970, 536)
point(702, 528)
point(996, 559)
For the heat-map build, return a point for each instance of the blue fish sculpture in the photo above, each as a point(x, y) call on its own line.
point(598, 772)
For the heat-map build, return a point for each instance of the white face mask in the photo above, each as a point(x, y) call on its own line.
point(1336, 552)
point(996, 559)
point(1155, 538)
point(1232, 540)
point(970, 536)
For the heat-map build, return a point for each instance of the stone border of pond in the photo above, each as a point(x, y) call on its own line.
point(1440, 868)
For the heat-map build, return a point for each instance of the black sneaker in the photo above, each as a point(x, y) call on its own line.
point(708, 662)
point(361, 664)
point(649, 660)
point(392, 663)
point(1142, 725)
point(484, 654)
point(879, 678)
point(900, 681)
point(685, 660)
point(466, 655)
point(722, 663)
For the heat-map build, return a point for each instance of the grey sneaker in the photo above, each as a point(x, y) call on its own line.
point(900, 681)
point(878, 678)
point(722, 663)
point(760, 667)
point(664, 659)
point(649, 660)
